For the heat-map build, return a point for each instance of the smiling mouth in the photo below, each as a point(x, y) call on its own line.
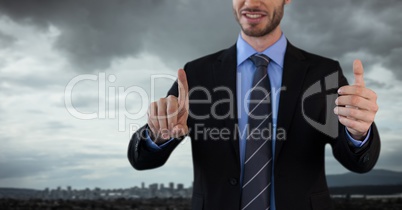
point(253, 16)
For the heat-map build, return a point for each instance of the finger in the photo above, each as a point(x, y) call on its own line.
point(153, 110)
point(162, 118)
point(153, 129)
point(172, 111)
point(359, 91)
point(153, 118)
point(358, 73)
point(361, 127)
point(356, 101)
point(183, 88)
point(356, 114)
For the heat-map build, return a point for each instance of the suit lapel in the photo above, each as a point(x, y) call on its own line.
point(224, 71)
point(294, 71)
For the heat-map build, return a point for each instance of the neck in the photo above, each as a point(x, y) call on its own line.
point(263, 42)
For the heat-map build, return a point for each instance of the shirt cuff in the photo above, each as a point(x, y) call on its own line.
point(355, 142)
point(151, 144)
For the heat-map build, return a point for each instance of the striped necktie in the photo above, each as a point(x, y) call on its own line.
point(256, 189)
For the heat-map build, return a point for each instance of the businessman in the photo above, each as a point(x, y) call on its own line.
point(259, 115)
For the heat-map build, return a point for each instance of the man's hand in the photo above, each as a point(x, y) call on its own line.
point(356, 105)
point(167, 117)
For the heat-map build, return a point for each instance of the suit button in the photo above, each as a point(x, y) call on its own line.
point(233, 181)
point(366, 158)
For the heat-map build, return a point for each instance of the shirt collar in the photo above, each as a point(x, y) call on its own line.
point(275, 52)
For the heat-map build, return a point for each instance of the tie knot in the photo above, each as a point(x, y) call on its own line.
point(260, 60)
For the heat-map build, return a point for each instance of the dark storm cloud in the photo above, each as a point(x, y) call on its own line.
point(394, 60)
point(377, 84)
point(334, 28)
point(6, 40)
point(94, 32)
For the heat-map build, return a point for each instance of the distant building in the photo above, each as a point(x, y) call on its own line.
point(171, 186)
point(180, 186)
point(153, 191)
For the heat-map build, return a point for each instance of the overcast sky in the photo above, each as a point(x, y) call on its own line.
point(92, 53)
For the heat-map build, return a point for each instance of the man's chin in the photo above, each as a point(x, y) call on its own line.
point(254, 32)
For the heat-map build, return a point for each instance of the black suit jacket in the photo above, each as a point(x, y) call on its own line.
point(299, 169)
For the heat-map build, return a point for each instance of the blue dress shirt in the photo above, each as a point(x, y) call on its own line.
point(245, 72)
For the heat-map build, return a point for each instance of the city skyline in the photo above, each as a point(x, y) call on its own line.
point(117, 45)
point(154, 190)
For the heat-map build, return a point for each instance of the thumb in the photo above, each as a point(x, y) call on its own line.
point(358, 73)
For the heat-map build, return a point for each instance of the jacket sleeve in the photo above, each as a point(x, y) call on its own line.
point(360, 160)
point(140, 156)
point(356, 159)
